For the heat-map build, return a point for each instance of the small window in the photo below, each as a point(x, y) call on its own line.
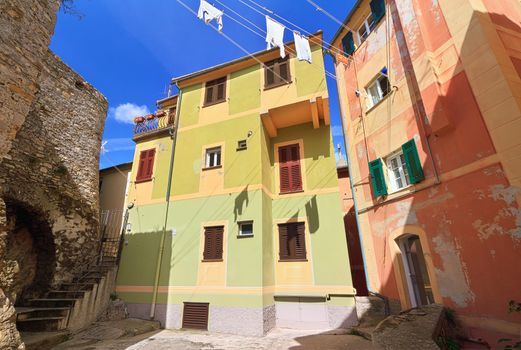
point(213, 157)
point(277, 73)
point(241, 145)
point(377, 90)
point(146, 165)
point(397, 172)
point(366, 28)
point(292, 242)
point(246, 229)
point(213, 243)
point(215, 91)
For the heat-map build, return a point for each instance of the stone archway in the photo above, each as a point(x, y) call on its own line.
point(29, 259)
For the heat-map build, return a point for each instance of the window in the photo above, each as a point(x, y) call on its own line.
point(348, 43)
point(292, 241)
point(277, 73)
point(213, 157)
point(246, 228)
point(242, 145)
point(397, 172)
point(289, 167)
point(213, 243)
point(366, 28)
point(377, 90)
point(215, 91)
point(146, 165)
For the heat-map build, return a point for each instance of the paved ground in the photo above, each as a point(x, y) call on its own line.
point(197, 340)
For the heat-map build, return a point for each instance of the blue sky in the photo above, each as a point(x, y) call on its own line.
point(130, 49)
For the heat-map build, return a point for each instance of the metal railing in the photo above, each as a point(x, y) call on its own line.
point(154, 122)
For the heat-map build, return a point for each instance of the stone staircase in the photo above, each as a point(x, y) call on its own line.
point(69, 308)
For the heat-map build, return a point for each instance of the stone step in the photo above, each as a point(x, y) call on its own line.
point(370, 310)
point(53, 302)
point(43, 340)
point(42, 324)
point(65, 294)
point(364, 332)
point(77, 286)
point(24, 313)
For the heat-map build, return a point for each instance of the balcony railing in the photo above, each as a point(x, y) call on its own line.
point(153, 122)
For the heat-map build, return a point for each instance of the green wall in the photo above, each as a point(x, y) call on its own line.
point(310, 79)
point(245, 89)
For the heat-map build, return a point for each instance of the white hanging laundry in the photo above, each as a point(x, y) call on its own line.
point(208, 13)
point(275, 35)
point(302, 47)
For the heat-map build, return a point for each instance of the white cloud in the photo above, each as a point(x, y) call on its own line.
point(118, 145)
point(336, 130)
point(126, 112)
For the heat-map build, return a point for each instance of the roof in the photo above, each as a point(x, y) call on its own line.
point(122, 165)
point(348, 18)
point(240, 59)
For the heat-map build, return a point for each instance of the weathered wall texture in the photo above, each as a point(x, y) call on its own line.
point(49, 185)
point(454, 69)
point(26, 27)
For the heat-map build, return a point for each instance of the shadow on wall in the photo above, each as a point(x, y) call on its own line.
point(470, 223)
point(241, 203)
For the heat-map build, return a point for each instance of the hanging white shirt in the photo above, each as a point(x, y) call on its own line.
point(275, 35)
point(208, 13)
point(302, 47)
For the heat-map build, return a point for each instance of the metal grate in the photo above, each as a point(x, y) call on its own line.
point(195, 315)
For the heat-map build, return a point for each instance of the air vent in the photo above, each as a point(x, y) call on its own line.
point(195, 315)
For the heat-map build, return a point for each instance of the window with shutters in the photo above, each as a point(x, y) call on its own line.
point(213, 157)
point(290, 174)
point(215, 91)
point(292, 241)
point(276, 73)
point(397, 172)
point(213, 243)
point(366, 28)
point(146, 165)
point(377, 178)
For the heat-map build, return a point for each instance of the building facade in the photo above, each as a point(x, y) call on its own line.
point(430, 96)
point(251, 232)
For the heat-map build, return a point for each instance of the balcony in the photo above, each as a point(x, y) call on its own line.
point(157, 123)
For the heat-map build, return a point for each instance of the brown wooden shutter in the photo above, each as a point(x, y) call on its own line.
point(146, 165)
point(270, 75)
point(215, 91)
point(209, 94)
point(284, 70)
point(195, 315)
point(213, 243)
point(290, 173)
point(292, 241)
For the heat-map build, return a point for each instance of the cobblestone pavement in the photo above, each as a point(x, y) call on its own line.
point(197, 340)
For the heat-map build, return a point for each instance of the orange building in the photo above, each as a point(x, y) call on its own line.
point(430, 96)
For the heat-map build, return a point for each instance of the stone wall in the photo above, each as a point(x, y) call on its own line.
point(26, 27)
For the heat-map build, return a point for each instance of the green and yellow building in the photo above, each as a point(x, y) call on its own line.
point(247, 233)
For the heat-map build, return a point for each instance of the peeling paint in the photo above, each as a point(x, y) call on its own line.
point(403, 216)
point(453, 279)
point(360, 152)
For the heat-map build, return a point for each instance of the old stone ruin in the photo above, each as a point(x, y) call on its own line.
point(52, 124)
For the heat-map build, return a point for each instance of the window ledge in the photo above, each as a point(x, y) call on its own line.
point(290, 192)
point(274, 86)
point(212, 260)
point(293, 260)
point(213, 103)
point(403, 189)
point(245, 236)
point(212, 167)
point(143, 180)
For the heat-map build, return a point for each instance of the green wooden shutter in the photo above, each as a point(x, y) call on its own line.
point(348, 43)
point(378, 9)
point(377, 178)
point(412, 161)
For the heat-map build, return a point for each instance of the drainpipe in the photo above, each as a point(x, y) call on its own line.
point(173, 135)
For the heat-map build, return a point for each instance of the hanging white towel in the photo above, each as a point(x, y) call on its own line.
point(208, 13)
point(275, 35)
point(303, 48)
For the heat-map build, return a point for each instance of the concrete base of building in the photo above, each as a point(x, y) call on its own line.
point(255, 321)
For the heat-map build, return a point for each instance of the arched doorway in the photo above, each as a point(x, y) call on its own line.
point(416, 272)
point(30, 258)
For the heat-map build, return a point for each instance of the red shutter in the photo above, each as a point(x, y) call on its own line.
point(290, 173)
point(146, 165)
